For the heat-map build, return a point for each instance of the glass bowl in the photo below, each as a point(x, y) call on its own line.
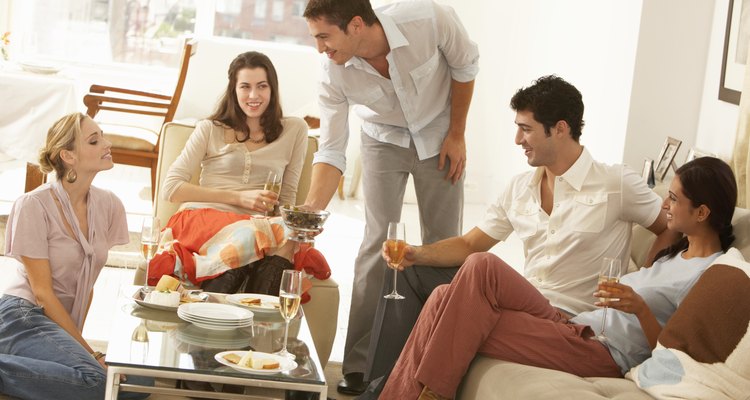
point(305, 224)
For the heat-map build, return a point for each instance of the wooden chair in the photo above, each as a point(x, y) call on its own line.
point(135, 145)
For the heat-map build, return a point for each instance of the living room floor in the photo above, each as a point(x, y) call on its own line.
point(339, 243)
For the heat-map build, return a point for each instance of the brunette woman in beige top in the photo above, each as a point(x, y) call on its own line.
point(245, 138)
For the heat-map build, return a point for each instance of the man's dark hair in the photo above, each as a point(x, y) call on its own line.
point(552, 99)
point(340, 12)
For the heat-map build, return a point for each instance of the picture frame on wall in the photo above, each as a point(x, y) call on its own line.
point(666, 157)
point(697, 153)
point(736, 41)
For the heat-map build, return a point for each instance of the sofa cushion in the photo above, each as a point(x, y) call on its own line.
point(494, 379)
point(704, 350)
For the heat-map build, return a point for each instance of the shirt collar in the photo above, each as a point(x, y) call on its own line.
point(393, 35)
point(575, 175)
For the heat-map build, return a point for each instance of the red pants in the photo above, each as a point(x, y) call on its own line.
point(492, 310)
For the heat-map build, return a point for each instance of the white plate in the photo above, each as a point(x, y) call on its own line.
point(39, 67)
point(268, 304)
point(285, 364)
point(215, 312)
point(191, 317)
point(218, 326)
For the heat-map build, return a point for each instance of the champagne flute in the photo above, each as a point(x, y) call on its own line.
point(150, 232)
point(273, 183)
point(290, 295)
point(396, 244)
point(611, 272)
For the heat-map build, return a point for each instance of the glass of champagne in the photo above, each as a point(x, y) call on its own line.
point(396, 243)
point(611, 272)
point(273, 183)
point(150, 232)
point(290, 294)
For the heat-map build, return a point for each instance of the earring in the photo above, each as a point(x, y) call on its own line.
point(71, 176)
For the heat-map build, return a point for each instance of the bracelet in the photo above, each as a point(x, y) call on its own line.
point(97, 355)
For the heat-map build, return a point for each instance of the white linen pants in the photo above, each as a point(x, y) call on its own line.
point(386, 169)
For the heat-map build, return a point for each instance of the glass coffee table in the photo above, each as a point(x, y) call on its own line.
point(157, 343)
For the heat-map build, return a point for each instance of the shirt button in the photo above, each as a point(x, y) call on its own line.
point(552, 231)
point(559, 179)
point(557, 205)
point(591, 201)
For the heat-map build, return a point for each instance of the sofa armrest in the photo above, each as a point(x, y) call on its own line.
point(322, 312)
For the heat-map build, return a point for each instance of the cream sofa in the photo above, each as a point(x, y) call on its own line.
point(322, 310)
point(493, 379)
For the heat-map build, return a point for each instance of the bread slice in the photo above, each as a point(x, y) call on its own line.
point(270, 364)
point(167, 284)
point(232, 358)
point(251, 301)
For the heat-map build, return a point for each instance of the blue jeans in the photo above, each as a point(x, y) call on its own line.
point(39, 360)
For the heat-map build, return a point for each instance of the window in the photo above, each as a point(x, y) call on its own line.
point(278, 10)
point(146, 32)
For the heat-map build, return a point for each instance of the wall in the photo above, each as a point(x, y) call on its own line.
point(668, 81)
point(590, 43)
point(717, 123)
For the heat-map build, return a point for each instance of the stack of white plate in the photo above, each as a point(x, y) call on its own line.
point(222, 317)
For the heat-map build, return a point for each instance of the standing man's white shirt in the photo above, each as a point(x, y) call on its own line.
point(415, 103)
point(595, 206)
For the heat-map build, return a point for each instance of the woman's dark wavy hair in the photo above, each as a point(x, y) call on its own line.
point(552, 99)
point(229, 113)
point(340, 12)
point(709, 181)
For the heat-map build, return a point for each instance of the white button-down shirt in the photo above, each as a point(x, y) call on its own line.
point(594, 207)
point(429, 47)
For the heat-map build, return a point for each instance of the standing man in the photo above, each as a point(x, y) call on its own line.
point(408, 71)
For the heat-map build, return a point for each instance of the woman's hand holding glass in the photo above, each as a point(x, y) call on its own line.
point(620, 297)
point(257, 200)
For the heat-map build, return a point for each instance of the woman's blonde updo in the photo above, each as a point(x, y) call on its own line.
point(61, 136)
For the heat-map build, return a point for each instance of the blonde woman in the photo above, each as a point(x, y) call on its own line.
point(60, 234)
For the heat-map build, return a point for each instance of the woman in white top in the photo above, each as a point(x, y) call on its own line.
point(246, 138)
point(60, 235)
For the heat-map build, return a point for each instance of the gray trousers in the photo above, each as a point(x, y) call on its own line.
point(386, 169)
point(394, 319)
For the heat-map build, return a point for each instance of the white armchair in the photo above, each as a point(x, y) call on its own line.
point(322, 309)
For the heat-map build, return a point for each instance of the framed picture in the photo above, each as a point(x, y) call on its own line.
point(648, 172)
point(736, 40)
point(695, 153)
point(666, 157)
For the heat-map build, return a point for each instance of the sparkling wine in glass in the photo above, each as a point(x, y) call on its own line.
point(150, 232)
point(273, 183)
point(290, 295)
point(396, 244)
point(611, 272)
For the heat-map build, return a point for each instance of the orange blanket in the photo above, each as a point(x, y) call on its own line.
point(203, 243)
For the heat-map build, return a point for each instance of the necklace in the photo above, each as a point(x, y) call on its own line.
point(256, 141)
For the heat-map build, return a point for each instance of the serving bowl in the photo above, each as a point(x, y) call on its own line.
point(305, 224)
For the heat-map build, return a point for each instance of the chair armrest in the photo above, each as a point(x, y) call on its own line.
point(94, 104)
point(103, 89)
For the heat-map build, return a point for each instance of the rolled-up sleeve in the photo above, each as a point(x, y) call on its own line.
point(189, 160)
point(460, 52)
point(496, 223)
point(334, 122)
